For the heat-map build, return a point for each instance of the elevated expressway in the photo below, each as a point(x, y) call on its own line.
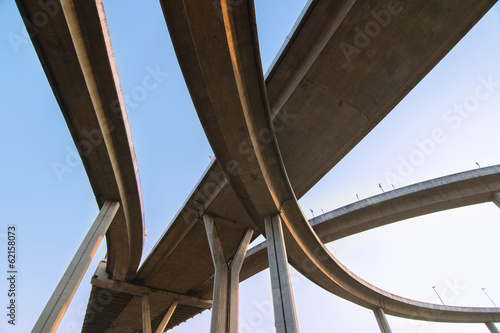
point(74, 49)
point(453, 191)
point(322, 99)
point(330, 86)
point(221, 63)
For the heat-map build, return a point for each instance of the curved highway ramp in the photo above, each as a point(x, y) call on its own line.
point(274, 139)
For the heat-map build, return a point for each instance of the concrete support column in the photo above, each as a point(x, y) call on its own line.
point(218, 323)
point(492, 328)
point(146, 314)
point(234, 280)
point(382, 321)
point(225, 306)
point(496, 199)
point(166, 317)
point(58, 303)
point(284, 306)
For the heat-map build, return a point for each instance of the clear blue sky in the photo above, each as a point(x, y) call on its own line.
point(456, 251)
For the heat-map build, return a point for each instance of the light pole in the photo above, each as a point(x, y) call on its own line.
point(434, 287)
point(483, 289)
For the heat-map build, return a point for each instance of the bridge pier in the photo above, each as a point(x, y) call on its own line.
point(225, 305)
point(284, 306)
point(58, 303)
point(146, 314)
point(382, 321)
point(492, 327)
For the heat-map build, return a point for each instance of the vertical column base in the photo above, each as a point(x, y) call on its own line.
point(225, 306)
point(146, 314)
point(284, 306)
point(234, 281)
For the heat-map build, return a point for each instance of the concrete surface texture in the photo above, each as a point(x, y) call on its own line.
point(274, 139)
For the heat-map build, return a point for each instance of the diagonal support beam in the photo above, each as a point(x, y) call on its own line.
point(225, 307)
point(234, 280)
point(166, 317)
point(284, 306)
point(58, 303)
point(219, 320)
point(382, 321)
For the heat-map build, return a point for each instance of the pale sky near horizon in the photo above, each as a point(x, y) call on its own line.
point(456, 250)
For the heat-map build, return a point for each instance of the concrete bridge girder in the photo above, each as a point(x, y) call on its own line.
point(245, 97)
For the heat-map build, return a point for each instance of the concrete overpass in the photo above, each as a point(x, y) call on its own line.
point(467, 188)
point(323, 92)
point(213, 196)
point(453, 191)
point(232, 104)
point(74, 49)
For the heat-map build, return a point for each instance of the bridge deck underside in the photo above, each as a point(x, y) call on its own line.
point(348, 89)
